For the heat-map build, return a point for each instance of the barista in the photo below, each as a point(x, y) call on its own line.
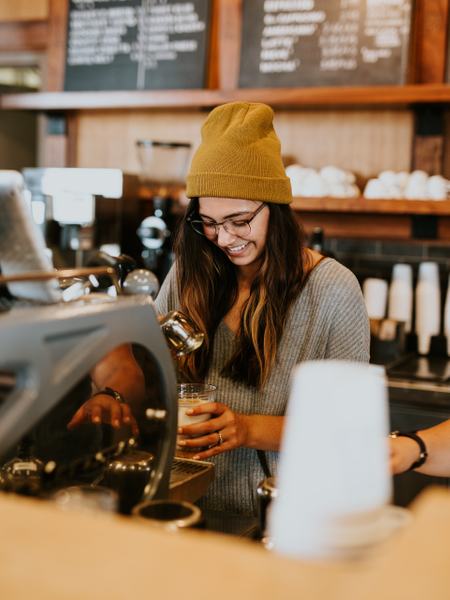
point(263, 300)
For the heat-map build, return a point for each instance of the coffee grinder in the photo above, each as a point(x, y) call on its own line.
point(163, 172)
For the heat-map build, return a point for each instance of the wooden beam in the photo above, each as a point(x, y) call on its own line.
point(56, 55)
point(72, 139)
point(230, 26)
point(429, 41)
point(212, 64)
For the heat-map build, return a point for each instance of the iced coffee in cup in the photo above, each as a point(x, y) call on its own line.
point(191, 395)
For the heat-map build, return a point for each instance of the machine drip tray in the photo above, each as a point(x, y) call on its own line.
point(189, 479)
point(432, 369)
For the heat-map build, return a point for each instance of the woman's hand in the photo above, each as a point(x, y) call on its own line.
point(102, 408)
point(224, 431)
point(403, 453)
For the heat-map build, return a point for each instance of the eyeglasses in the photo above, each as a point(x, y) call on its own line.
point(210, 229)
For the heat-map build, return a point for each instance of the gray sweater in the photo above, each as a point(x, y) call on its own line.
point(327, 321)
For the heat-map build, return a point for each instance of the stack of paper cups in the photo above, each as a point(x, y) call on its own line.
point(333, 480)
point(428, 305)
point(375, 296)
point(401, 295)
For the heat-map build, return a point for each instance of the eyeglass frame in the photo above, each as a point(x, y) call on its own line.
point(218, 224)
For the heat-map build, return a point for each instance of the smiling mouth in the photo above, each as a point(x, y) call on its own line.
point(237, 249)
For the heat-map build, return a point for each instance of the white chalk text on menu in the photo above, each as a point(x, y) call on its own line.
point(136, 44)
point(296, 43)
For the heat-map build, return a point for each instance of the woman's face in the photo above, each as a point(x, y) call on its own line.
point(243, 245)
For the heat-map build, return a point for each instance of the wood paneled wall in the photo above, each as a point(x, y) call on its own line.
point(363, 141)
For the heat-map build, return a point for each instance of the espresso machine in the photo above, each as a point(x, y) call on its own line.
point(51, 343)
point(46, 356)
point(163, 171)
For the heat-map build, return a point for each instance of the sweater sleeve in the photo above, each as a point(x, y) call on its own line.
point(349, 337)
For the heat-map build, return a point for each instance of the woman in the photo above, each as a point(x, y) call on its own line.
point(264, 301)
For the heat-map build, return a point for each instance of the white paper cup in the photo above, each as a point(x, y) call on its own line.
point(375, 293)
point(428, 305)
point(335, 480)
point(401, 295)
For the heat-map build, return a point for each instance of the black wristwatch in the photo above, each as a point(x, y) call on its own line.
point(423, 449)
point(107, 391)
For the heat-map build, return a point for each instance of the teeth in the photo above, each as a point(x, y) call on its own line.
point(237, 248)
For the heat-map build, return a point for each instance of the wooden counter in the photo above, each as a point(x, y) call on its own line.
point(46, 554)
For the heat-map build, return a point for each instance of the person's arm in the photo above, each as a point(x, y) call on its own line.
point(236, 430)
point(405, 451)
point(263, 432)
point(119, 372)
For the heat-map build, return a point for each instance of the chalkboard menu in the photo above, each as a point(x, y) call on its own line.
point(137, 44)
point(302, 43)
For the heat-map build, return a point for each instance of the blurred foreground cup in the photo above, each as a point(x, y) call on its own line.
point(334, 480)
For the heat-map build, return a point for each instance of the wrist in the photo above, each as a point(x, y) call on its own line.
point(107, 391)
point(421, 454)
point(248, 440)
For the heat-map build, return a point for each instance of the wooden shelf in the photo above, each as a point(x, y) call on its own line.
point(359, 205)
point(362, 205)
point(287, 97)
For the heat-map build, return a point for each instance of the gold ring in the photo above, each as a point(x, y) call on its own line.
point(219, 438)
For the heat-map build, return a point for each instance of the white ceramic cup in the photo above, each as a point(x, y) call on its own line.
point(375, 293)
point(191, 395)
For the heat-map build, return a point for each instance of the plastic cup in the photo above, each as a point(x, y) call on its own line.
point(191, 395)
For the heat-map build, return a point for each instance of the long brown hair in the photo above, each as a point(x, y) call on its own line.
point(208, 287)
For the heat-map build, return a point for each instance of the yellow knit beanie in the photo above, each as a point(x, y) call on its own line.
point(239, 156)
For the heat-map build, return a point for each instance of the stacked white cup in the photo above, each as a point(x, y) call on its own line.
point(375, 293)
point(428, 305)
point(333, 480)
point(400, 305)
